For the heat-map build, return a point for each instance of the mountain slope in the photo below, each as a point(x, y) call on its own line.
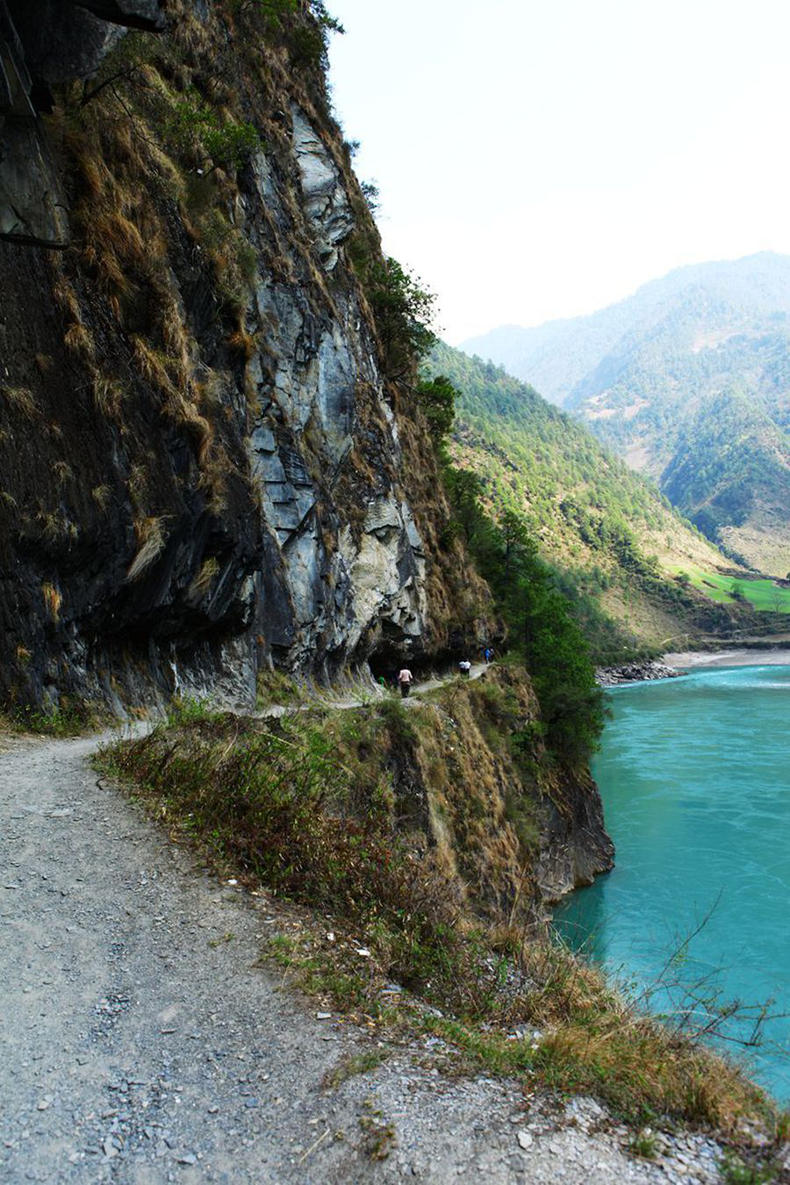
point(649, 373)
point(617, 543)
point(730, 474)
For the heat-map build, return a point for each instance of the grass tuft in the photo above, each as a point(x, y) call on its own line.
point(352, 1065)
point(65, 719)
point(22, 400)
point(52, 600)
point(151, 541)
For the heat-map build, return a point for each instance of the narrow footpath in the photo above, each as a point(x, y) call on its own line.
point(142, 1041)
point(369, 690)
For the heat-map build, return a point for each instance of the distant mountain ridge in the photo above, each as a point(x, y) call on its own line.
point(647, 374)
point(618, 547)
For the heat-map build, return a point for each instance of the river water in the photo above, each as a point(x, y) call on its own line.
point(695, 778)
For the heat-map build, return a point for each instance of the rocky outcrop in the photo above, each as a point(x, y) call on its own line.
point(575, 846)
point(44, 43)
point(202, 458)
point(634, 672)
point(32, 208)
point(513, 830)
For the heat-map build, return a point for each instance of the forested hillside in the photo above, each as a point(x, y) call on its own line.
point(616, 544)
point(701, 356)
point(730, 473)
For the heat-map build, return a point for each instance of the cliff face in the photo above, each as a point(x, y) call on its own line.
point(512, 832)
point(212, 456)
point(209, 461)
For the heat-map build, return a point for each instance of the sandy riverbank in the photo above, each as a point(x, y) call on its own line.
point(727, 658)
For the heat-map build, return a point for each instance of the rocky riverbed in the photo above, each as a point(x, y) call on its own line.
point(634, 672)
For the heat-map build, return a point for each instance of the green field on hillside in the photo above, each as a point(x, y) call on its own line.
point(762, 594)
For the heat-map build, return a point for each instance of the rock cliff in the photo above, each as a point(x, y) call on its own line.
point(213, 460)
point(209, 461)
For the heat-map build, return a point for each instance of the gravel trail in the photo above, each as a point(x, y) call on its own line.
point(141, 1041)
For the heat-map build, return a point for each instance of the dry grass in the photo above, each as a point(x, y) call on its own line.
point(320, 809)
point(52, 601)
point(137, 485)
point(63, 472)
point(63, 292)
point(107, 396)
point(208, 573)
point(163, 372)
point(21, 400)
point(78, 340)
point(242, 343)
point(151, 541)
point(55, 527)
point(120, 237)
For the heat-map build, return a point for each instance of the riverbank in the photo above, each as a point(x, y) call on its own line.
point(636, 672)
point(676, 663)
point(740, 657)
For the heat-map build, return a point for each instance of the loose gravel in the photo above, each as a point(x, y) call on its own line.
point(142, 1041)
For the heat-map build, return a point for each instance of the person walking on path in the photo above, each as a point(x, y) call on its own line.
point(404, 681)
point(465, 667)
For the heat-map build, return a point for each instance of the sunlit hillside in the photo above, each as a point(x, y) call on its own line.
point(689, 381)
point(620, 549)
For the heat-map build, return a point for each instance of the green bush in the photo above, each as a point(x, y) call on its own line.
point(540, 620)
point(194, 128)
point(437, 399)
point(402, 310)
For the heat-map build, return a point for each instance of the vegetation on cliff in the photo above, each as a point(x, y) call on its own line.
point(209, 436)
point(541, 626)
point(614, 543)
point(412, 831)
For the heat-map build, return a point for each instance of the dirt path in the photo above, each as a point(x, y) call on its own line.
point(366, 691)
point(141, 1042)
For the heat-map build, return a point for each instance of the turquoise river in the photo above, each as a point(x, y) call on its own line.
point(695, 778)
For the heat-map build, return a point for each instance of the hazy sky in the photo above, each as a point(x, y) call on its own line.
point(540, 160)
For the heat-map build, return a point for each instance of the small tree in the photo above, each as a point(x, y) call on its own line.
point(195, 127)
point(403, 311)
point(437, 400)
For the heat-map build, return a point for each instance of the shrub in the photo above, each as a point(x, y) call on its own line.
point(403, 311)
point(437, 398)
point(195, 128)
point(540, 618)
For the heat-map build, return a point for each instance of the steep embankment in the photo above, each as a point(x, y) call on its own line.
point(667, 378)
point(412, 840)
point(145, 1039)
point(203, 428)
point(617, 544)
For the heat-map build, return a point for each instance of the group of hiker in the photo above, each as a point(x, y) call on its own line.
point(405, 678)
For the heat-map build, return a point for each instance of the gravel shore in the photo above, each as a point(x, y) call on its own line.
point(687, 659)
